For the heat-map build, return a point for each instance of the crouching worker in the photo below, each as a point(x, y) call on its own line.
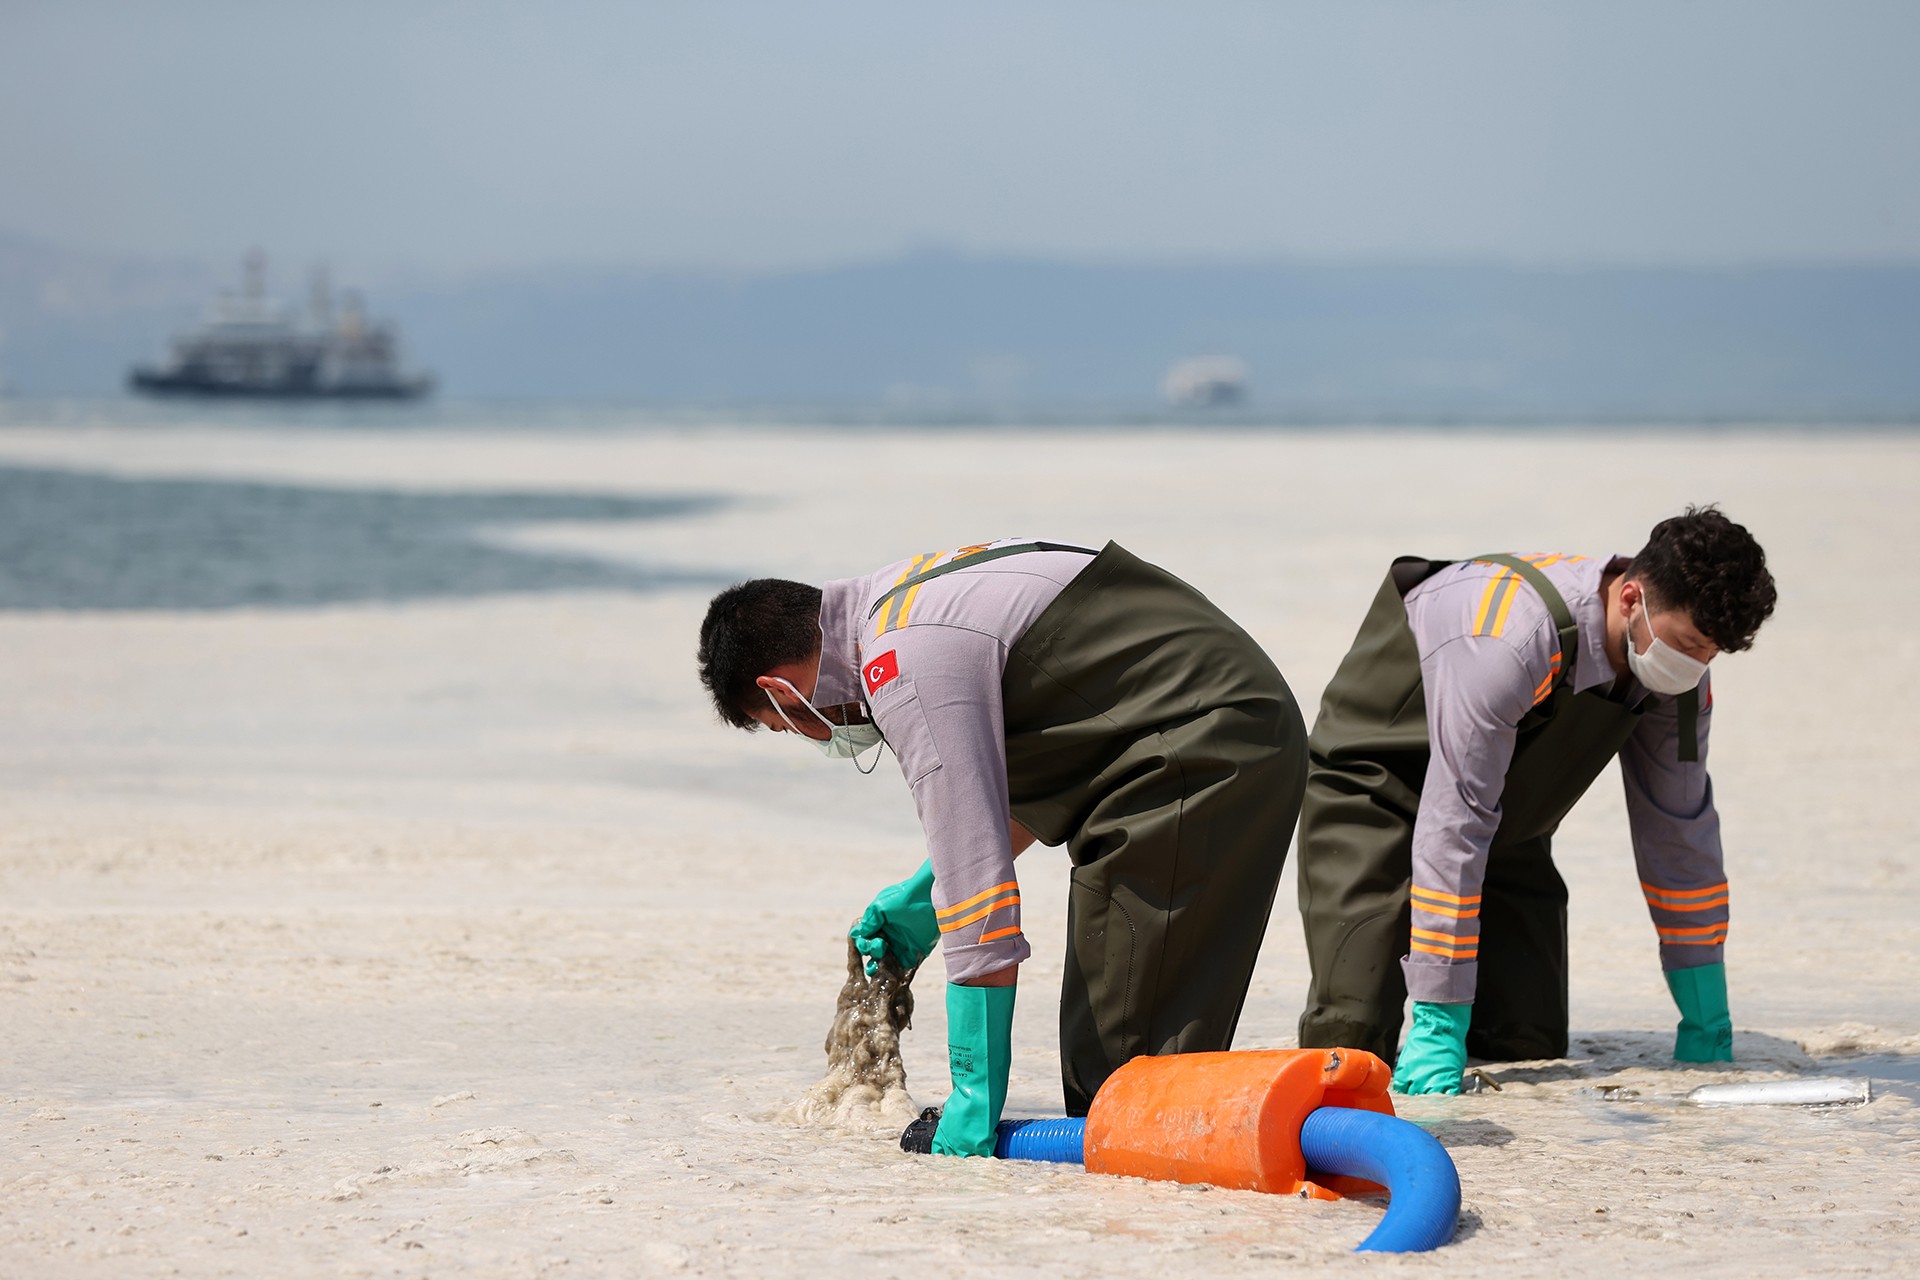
point(1034, 690)
point(1480, 700)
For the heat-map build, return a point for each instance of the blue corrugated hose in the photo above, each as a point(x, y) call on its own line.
point(1401, 1157)
point(1061, 1141)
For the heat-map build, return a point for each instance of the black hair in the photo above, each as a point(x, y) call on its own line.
point(751, 628)
point(1704, 563)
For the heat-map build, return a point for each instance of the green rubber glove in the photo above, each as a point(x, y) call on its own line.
point(1436, 1049)
point(1705, 1033)
point(900, 919)
point(979, 1054)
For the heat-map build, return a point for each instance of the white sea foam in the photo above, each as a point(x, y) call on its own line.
point(267, 868)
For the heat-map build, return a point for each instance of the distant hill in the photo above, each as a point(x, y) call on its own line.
point(950, 334)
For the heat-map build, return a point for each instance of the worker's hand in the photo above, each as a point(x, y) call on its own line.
point(1705, 1033)
point(900, 919)
point(979, 1054)
point(1436, 1049)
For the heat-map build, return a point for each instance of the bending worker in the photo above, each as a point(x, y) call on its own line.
point(1480, 700)
point(1034, 690)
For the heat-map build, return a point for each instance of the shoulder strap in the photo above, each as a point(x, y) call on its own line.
point(967, 562)
point(1556, 609)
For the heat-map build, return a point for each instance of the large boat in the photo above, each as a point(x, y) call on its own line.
point(253, 346)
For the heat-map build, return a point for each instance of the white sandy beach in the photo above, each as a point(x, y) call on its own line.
point(456, 937)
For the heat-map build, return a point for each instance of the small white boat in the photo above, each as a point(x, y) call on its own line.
point(1206, 381)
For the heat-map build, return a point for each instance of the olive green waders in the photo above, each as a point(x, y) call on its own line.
point(1150, 733)
point(1369, 754)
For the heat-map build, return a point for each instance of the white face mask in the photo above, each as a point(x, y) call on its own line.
point(843, 741)
point(1662, 668)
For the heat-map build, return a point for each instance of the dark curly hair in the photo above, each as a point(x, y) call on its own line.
point(1706, 564)
point(751, 628)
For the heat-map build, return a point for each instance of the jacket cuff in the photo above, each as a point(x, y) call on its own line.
point(975, 960)
point(1672, 957)
point(1439, 981)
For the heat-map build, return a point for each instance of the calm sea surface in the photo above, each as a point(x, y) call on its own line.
point(79, 539)
point(74, 540)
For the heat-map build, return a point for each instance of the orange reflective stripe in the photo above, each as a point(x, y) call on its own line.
point(1707, 892)
point(906, 604)
point(1436, 936)
point(1012, 931)
point(886, 610)
point(1707, 905)
point(1471, 952)
point(1486, 599)
point(1445, 897)
point(1432, 901)
point(913, 592)
point(1707, 899)
point(1545, 687)
point(1671, 933)
point(1011, 900)
point(1506, 606)
point(958, 907)
point(1494, 625)
point(1458, 913)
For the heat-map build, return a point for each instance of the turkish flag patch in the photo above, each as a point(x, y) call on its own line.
point(880, 670)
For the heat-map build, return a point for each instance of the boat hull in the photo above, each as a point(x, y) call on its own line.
point(153, 383)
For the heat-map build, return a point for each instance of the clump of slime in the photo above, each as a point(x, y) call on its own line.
point(865, 1086)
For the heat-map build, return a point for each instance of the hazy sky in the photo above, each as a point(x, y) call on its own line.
point(711, 133)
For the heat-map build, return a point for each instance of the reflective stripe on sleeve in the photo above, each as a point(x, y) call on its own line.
point(982, 896)
point(1706, 935)
point(1011, 900)
point(1545, 687)
point(1445, 904)
point(1469, 951)
point(1685, 899)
